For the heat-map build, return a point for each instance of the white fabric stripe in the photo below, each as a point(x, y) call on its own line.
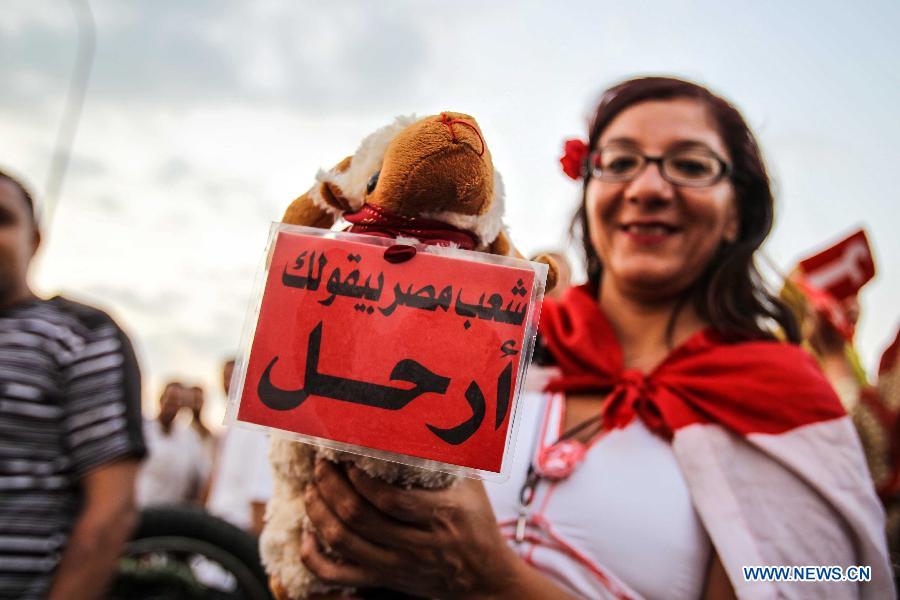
point(30, 544)
point(35, 451)
point(91, 433)
point(842, 478)
point(15, 429)
point(111, 344)
point(706, 467)
point(25, 358)
point(20, 391)
point(31, 467)
point(37, 378)
point(30, 342)
point(111, 394)
point(102, 412)
point(93, 366)
point(23, 482)
point(26, 565)
point(58, 332)
point(28, 409)
point(21, 338)
point(803, 497)
point(95, 384)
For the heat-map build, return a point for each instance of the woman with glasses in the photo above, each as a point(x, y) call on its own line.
point(681, 444)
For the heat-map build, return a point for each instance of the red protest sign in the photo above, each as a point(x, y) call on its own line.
point(842, 269)
point(418, 358)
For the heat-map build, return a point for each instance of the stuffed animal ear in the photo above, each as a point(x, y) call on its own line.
point(306, 211)
point(552, 271)
point(334, 197)
point(503, 247)
point(322, 203)
point(332, 193)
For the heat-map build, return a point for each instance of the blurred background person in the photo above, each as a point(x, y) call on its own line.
point(823, 293)
point(877, 419)
point(177, 465)
point(196, 401)
point(70, 428)
point(828, 314)
point(242, 479)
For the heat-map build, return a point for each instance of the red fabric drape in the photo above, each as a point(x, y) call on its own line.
point(748, 387)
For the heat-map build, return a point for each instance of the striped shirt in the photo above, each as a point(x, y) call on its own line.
point(69, 403)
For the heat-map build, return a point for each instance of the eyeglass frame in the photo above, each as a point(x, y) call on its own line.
point(727, 169)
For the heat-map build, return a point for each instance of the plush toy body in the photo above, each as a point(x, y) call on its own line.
point(431, 180)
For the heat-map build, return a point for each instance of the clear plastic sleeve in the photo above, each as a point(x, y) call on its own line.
point(404, 352)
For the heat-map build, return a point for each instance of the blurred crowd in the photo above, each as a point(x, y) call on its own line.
point(228, 474)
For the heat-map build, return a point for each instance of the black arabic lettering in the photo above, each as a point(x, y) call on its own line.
point(350, 287)
point(511, 315)
point(311, 280)
point(398, 300)
point(463, 309)
point(423, 299)
point(349, 390)
point(493, 310)
point(508, 348)
point(465, 430)
point(462, 432)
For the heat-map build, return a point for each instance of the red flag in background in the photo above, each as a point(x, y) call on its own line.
point(842, 269)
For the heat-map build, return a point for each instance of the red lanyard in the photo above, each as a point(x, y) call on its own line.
point(555, 463)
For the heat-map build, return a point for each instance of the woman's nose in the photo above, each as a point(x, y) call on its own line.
point(649, 187)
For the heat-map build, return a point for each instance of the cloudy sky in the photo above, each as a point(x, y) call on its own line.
point(204, 119)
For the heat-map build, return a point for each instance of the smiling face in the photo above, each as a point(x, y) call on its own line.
point(655, 238)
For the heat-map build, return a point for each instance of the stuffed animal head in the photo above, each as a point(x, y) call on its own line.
point(437, 167)
point(413, 174)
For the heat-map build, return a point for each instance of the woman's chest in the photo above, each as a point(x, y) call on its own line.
point(625, 507)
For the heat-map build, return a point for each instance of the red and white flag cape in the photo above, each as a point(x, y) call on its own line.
point(773, 464)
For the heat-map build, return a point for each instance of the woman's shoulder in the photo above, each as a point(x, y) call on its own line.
point(759, 357)
point(754, 386)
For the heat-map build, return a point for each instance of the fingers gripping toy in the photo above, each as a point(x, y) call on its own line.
point(429, 179)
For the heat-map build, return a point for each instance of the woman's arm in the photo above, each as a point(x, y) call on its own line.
point(432, 543)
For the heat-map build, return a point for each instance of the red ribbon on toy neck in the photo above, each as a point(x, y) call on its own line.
point(374, 220)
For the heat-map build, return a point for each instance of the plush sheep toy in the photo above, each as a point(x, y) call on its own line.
point(430, 179)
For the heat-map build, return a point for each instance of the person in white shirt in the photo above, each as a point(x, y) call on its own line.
point(177, 466)
point(242, 480)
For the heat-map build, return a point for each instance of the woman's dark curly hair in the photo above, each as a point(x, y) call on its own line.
point(730, 293)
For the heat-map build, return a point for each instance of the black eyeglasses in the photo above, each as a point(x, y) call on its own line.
point(690, 167)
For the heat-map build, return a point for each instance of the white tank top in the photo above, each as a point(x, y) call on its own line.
point(620, 526)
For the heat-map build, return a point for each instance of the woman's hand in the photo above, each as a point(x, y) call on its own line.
point(432, 543)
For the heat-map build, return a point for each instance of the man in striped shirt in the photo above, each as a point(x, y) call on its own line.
point(70, 429)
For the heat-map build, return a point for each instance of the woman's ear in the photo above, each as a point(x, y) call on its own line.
point(732, 225)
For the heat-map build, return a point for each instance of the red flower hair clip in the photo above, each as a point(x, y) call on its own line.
point(574, 159)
